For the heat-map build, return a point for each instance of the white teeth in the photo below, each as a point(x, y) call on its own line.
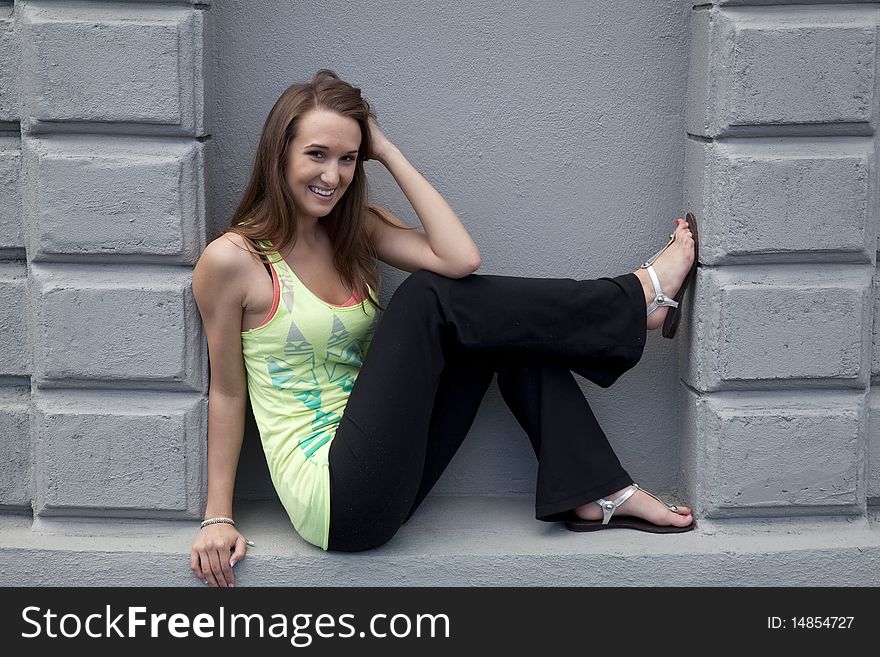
point(320, 191)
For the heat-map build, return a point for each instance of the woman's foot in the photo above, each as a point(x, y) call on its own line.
point(641, 505)
point(672, 267)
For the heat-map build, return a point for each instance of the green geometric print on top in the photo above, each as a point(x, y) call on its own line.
point(302, 364)
point(300, 374)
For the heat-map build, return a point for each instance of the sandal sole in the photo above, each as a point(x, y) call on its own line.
point(579, 525)
point(673, 317)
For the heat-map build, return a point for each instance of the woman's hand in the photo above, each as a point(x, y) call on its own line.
point(216, 550)
point(445, 247)
point(380, 146)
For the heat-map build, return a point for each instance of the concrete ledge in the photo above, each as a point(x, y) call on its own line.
point(453, 541)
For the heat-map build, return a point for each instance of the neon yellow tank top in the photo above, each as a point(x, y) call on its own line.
point(302, 363)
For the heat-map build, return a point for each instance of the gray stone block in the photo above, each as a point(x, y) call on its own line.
point(134, 455)
point(788, 3)
point(760, 200)
point(113, 63)
point(872, 468)
point(15, 445)
point(875, 330)
point(757, 68)
point(11, 233)
point(790, 326)
point(9, 71)
point(778, 454)
point(15, 355)
point(122, 199)
point(116, 326)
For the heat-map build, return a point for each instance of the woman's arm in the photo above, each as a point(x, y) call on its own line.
point(219, 293)
point(445, 247)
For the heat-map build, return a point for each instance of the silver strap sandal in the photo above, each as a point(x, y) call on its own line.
point(610, 506)
point(660, 299)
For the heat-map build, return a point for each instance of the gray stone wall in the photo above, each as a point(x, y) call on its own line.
point(567, 139)
point(781, 166)
point(16, 489)
point(556, 131)
point(102, 215)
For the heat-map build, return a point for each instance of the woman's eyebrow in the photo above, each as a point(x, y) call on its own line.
point(327, 148)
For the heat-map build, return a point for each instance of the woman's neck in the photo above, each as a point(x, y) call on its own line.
point(309, 230)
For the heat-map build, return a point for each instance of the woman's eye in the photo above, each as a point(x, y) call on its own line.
point(317, 154)
point(348, 158)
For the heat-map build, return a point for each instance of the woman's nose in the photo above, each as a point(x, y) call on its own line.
point(330, 175)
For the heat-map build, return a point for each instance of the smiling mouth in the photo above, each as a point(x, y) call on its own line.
point(323, 192)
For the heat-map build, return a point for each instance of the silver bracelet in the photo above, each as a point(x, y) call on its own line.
point(215, 521)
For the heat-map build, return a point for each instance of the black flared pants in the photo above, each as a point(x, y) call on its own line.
point(436, 348)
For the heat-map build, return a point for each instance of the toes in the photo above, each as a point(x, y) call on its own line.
point(680, 520)
point(681, 517)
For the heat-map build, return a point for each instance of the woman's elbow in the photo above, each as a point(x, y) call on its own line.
point(467, 266)
point(474, 263)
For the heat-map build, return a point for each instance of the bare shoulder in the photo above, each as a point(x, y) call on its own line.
point(225, 270)
point(228, 253)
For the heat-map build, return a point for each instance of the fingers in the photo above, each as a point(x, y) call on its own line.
point(212, 569)
point(219, 570)
point(214, 552)
point(196, 566)
point(240, 551)
point(207, 571)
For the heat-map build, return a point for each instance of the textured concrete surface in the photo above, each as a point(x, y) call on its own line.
point(781, 167)
point(14, 348)
point(9, 55)
point(826, 55)
point(455, 542)
point(735, 3)
point(81, 71)
point(129, 200)
point(765, 200)
point(557, 136)
point(118, 326)
point(815, 441)
point(145, 449)
point(11, 233)
point(16, 490)
point(872, 470)
point(772, 326)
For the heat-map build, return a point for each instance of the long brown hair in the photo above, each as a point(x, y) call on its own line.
point(266, 210)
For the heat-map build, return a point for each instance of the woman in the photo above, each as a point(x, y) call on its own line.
point(288, 300)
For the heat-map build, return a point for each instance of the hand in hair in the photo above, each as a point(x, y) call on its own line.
point(379, 143)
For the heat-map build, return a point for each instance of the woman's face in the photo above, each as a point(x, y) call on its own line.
point(321, 161)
